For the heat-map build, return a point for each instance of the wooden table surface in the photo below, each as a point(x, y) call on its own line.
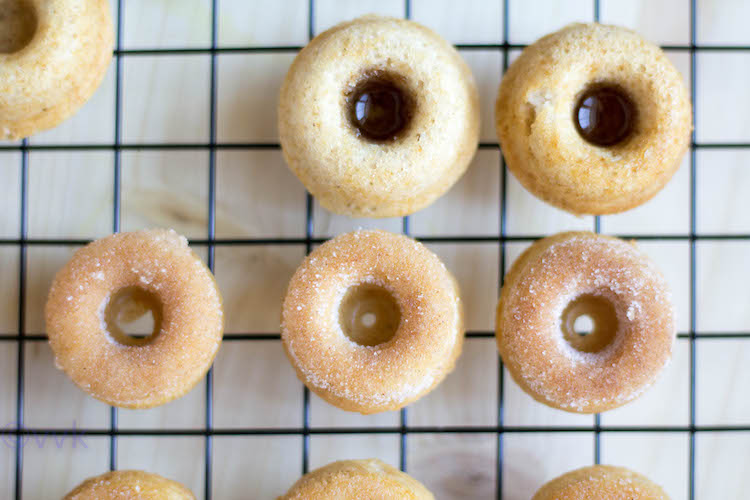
point(165, 98)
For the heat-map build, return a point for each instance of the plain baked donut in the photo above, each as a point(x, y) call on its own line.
point(53, 56)
point(372, 321)
point(129, 484)
point(349, 479)
point(378, 117)
point(568, 276)
point(593, 119)
point(601, 481)
point(118, 279)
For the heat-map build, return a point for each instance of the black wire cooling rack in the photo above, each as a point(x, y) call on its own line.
point(403, 430)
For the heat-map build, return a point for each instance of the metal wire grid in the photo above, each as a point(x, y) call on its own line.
point(211, 242)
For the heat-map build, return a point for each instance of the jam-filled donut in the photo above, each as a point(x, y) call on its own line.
point(117, 280)
point(593, 119)
point(378, 117)
point(357, 479)
point(53, 56)
point(558, 284)
point(601, 481)
point(372, 321)
point(129, 484)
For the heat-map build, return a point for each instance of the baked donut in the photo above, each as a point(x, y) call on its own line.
point(601, 481)
point(378, 117)
point(348, 479)
point(129, 484)
point(593, 119)
point(372, 321)
point(53, 56)
point(575, 275)
point(116, 280)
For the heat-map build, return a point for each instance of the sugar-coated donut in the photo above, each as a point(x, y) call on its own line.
point(372, 321)
point(600, 482)
point(129, 484)
point(568, 276)
point(350, 479)
point(53, 56)
point(593, 119)
point(118, 279)
point(378, 117)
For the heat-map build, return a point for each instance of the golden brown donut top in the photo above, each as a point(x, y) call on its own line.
point(54, 59)
point(535, 112)
point(356, 479)
point(553, 273)
point(600, 482)
point(131, 485)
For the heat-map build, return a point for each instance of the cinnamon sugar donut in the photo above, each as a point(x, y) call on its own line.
point(575, 275)
point(118, 279)
point(372, 321)
point(348, 479)
point(53, 56)
point(378, 117)
point(601, 481)
point(593, 119)
point(129, 484)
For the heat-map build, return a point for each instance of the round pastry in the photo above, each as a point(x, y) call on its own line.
point(372, 321)
point(357, 479)
point(53, 56)
point(593, 119)
point(378, 117)
point(552, 290)
point(129, 484)
point(117, 280)
point(601, 481)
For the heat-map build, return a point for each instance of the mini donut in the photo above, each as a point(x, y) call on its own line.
point(349, 479)
point(593, 119)
point(568, 276)
point(372, 321)
point(129, 484)
point(118, 279)
point(53, 56)
point(378, 117)
point(601, 481)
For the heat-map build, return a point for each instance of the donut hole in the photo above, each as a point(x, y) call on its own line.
point(604, 115)
point(369, 314)
point(133, 316)
point(589, 323)
point(18, 24)
point(380, 106)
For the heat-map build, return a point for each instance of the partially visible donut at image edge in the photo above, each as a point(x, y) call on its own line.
point(53, 56)
point(593, 119)
point(129, 484)
point(378, 117)
point(601, 482)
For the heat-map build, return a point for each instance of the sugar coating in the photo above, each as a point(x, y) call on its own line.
point(49, 79)
point(548, 276)
point(353, 176)
point(357, 479)
point(600, 482)
point(371, 379)
point(130, 485)
point(539, 139)
point(158, 261)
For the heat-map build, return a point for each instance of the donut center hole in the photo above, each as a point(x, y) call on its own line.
point(18, 24)
point(589, 323)
point(369, 314)
point(604, 115)
point(380, 107)
point(133, 316)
